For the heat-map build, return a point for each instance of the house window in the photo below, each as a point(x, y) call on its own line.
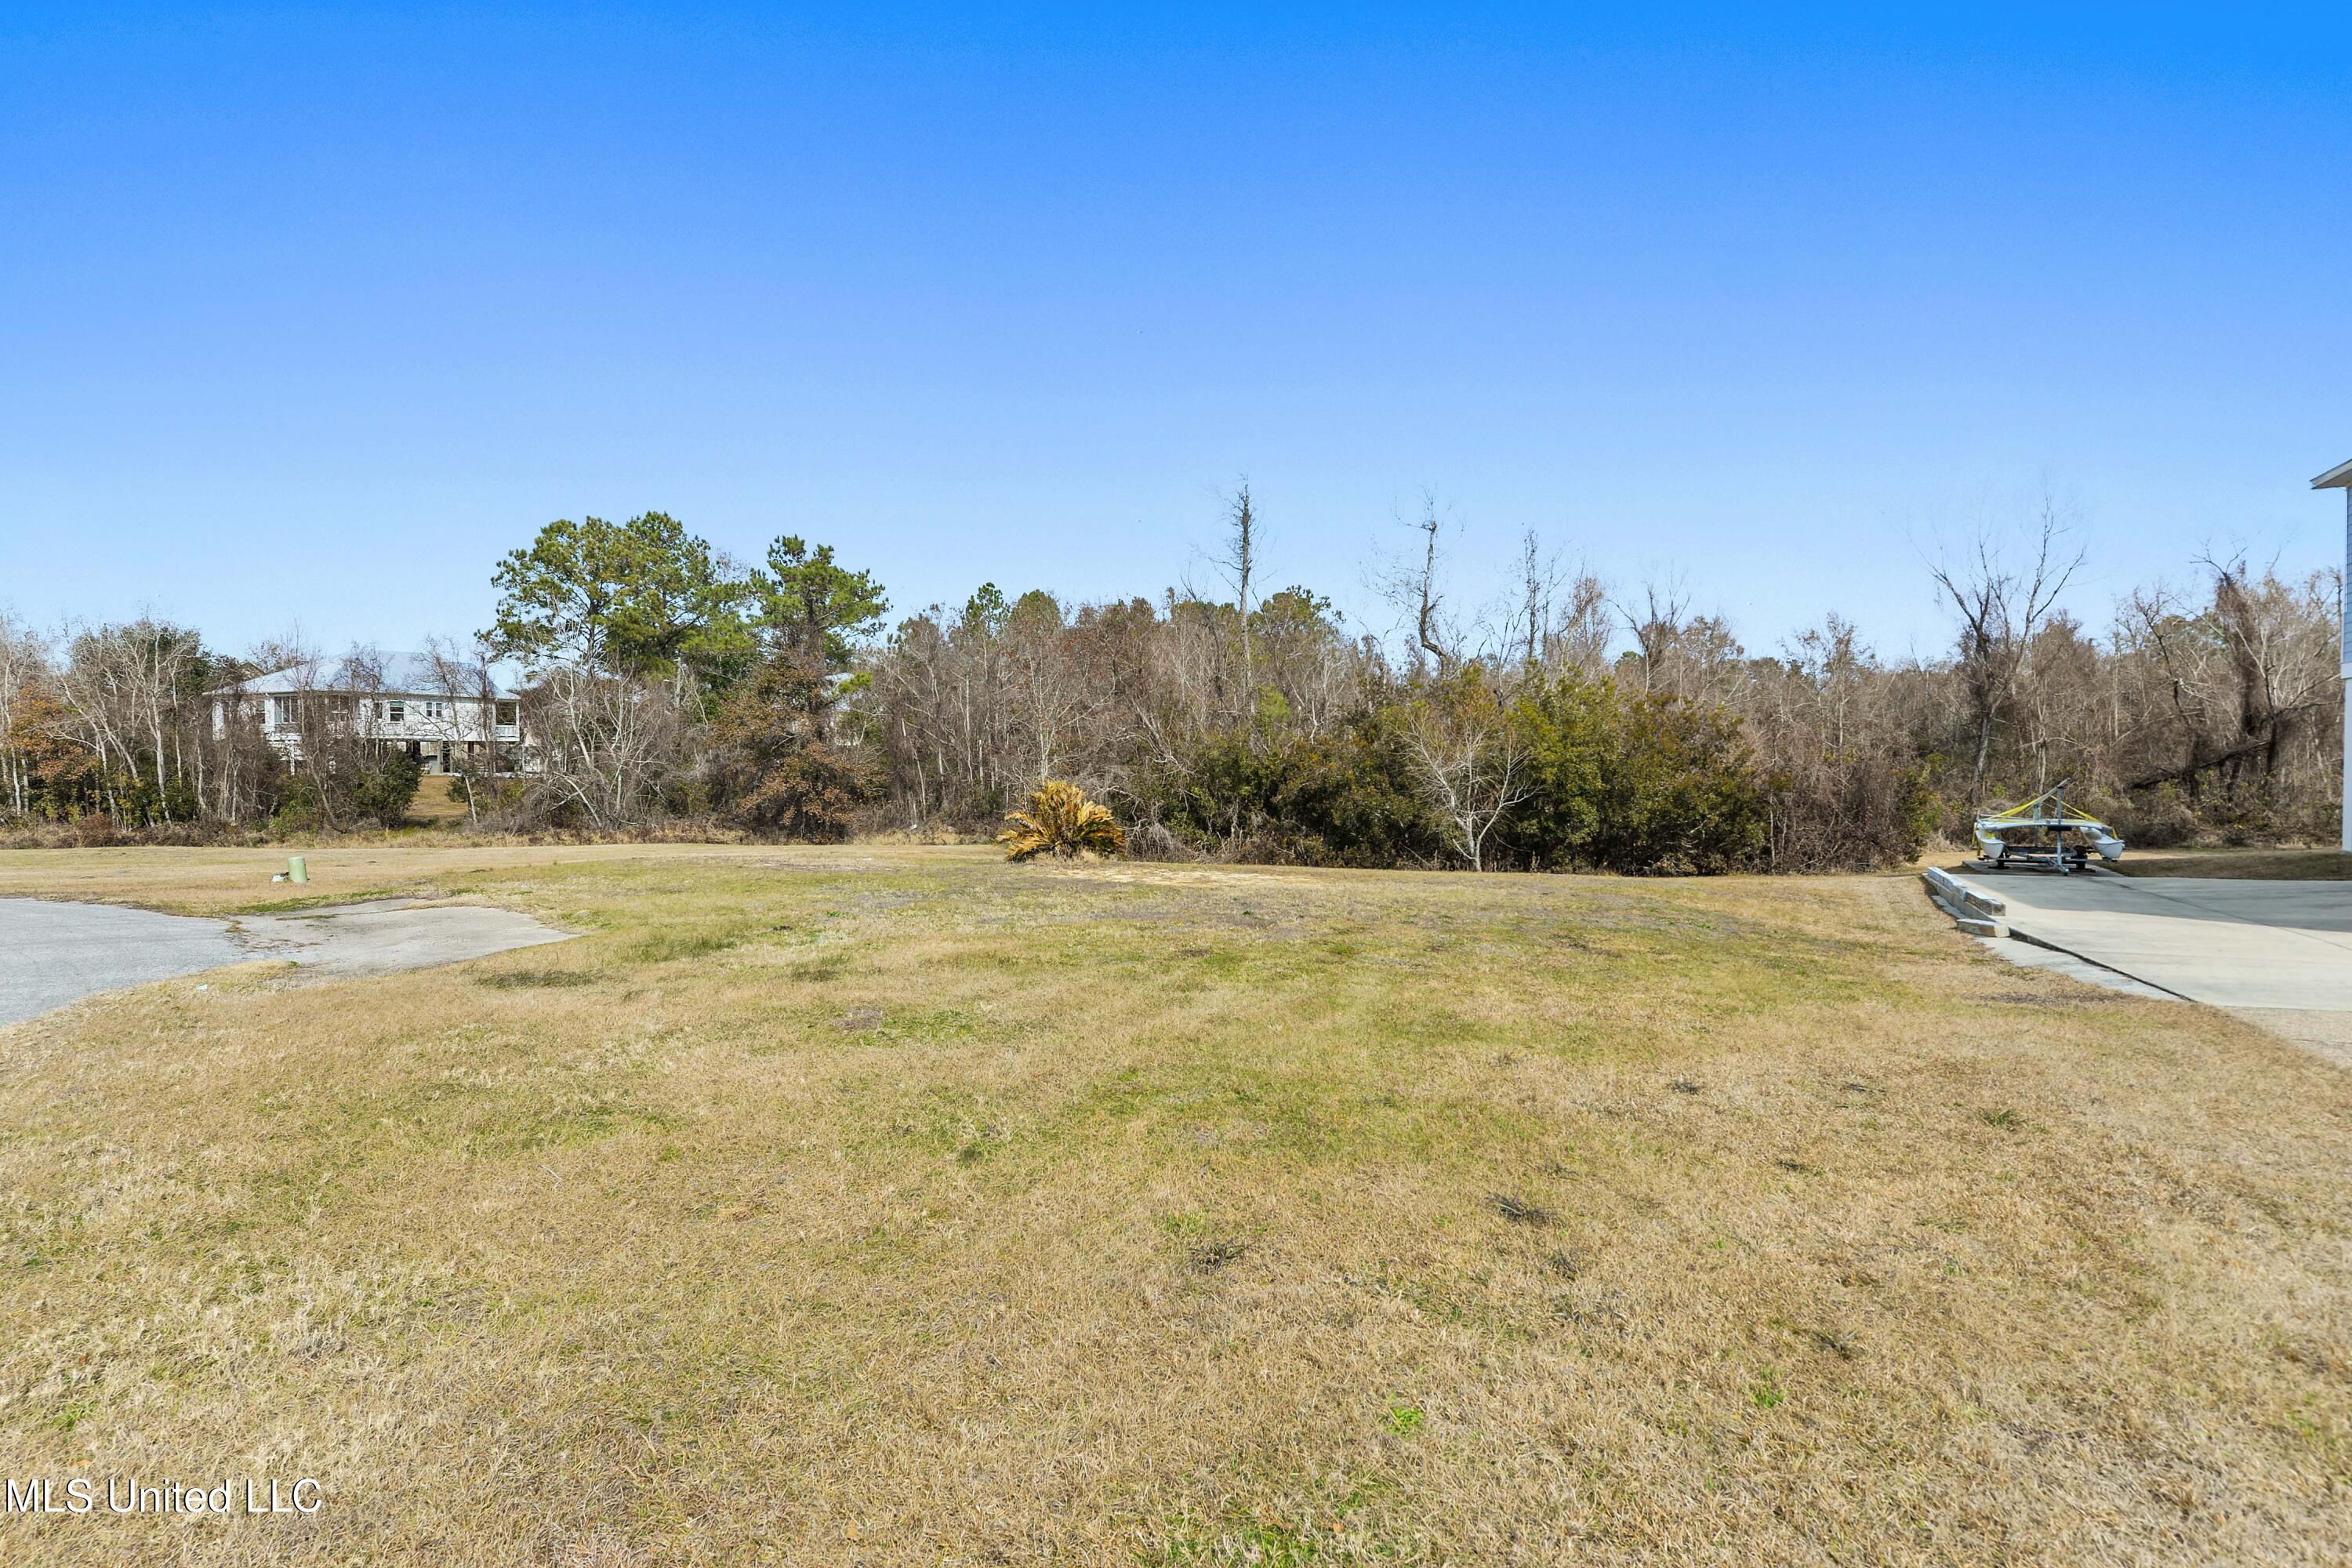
point(281, 711)
point(396, 712)
point(432, 708)
point(506, 713)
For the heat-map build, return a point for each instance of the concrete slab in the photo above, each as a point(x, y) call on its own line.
point(2328, 1035)
point(2031, 957)
point(2231, 942)
point(52, 952)
point(389, 936)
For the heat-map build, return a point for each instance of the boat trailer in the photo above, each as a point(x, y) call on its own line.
point(2044, 834)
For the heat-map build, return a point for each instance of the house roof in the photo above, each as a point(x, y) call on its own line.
point(387, 675)
point(2336, 478)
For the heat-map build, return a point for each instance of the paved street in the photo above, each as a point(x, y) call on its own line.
point(2279, 953)
point(53, 953)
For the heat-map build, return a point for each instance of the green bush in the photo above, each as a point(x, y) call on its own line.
point(1648, 785)
point(380, 788)
point(1258, 794)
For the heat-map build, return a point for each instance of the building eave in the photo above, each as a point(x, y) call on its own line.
point(334, 680)
point(2338, 477)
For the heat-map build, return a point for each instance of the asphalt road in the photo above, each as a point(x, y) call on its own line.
point(52, 953)
point(2278, 953)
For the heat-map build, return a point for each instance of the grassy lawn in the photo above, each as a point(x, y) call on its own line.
point(904, 1206)
point(440, 801)
point(2271, 865)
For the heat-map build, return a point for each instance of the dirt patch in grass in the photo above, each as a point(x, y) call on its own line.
point(907, 1207)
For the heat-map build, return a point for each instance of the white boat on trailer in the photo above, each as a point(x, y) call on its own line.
point(2044, 834)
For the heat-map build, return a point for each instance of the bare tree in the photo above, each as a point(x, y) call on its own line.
point(1678, 654)
point(1426, 622)
point(608, 746)
point(1412, 585)
point(2242, 682)
point(1554, 617)
point(1582, 633)
point(1048, 700)
point(467, 725)
point(1238, 563)
point(1656, 624)
point(125, 685)
point(23, 670)
point(1831, 729)
point(323, 723)
point(1471, 763)
point(2003, 599)
point(1539, 582)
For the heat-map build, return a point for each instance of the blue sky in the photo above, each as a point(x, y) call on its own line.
point(308, 314)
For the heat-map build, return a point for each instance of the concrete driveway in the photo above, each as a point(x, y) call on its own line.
point(52, 952)
point(2278, 953)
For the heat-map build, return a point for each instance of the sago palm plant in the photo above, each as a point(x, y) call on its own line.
point(1060, 821)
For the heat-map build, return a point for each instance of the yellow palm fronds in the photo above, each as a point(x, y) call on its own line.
point(1062, 821)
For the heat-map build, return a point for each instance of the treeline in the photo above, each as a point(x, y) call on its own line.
point(1572, 726)
point(111, 730)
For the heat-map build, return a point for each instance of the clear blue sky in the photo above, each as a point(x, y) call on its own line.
point(310, 313)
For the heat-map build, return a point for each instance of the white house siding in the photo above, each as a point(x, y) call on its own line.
point(460, 723)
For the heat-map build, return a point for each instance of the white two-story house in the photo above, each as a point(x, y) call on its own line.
point(448, 716)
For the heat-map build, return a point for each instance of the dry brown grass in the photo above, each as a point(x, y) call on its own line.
point(2270, 864)
point(440, 800)
point(228, 879)
point(853, 1206)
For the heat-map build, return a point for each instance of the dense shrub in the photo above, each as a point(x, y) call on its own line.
point(1257, 794)
point(356, 786)
point(1639, 785)
point(1850, 810)
point(382, 787)
point(811, 795)
point(1576, 773)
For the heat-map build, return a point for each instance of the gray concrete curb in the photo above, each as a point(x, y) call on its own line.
point(1978, 914)
point(1982, 914)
